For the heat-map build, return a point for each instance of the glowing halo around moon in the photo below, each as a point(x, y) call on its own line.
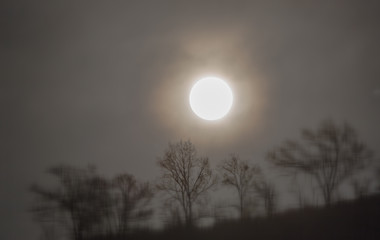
point(211, 98)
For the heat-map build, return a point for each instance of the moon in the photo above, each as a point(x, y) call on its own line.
point(211, 98)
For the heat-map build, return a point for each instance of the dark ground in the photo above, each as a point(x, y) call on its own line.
point(359, 219)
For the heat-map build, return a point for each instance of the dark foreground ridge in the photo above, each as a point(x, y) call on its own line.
point(359, 219)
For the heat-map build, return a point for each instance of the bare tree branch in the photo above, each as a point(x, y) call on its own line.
point(185, 176)
point(240, 175)
point(329, 154)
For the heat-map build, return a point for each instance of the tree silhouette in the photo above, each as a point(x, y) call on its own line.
point(132, 199)
point(267, 192)
point(242, 176)
point(330, 154)
point(87, 204)
point(185, 176)
point(81, 202)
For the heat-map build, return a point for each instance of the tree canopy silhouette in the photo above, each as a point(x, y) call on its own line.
point(81, 201)
point(185, 176)
point(241, 176)
point(330, 154)
point(87, 205)
point(267, 193)
point(131, 200)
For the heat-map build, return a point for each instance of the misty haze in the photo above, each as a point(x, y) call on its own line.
point(190, 120)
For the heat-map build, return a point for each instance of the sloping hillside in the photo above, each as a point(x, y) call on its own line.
point(359, 219)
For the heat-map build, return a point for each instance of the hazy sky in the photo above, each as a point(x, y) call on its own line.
point(107, 82)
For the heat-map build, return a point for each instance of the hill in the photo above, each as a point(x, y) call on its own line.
point(359, 219)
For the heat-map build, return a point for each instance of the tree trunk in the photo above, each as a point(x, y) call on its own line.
point(242, 215)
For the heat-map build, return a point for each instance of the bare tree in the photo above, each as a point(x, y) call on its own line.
point(81, 202)
point(87, 205)
point(132, 199)
point(329, 154)
point(267, 192)
point(185, 176)
point(241, 176)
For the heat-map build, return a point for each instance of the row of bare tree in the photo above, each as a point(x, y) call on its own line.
point(186, 178)
point(88, 204)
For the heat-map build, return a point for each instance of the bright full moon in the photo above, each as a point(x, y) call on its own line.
point(211, 98)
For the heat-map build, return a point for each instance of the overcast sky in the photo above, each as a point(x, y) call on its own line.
point(107, 82)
